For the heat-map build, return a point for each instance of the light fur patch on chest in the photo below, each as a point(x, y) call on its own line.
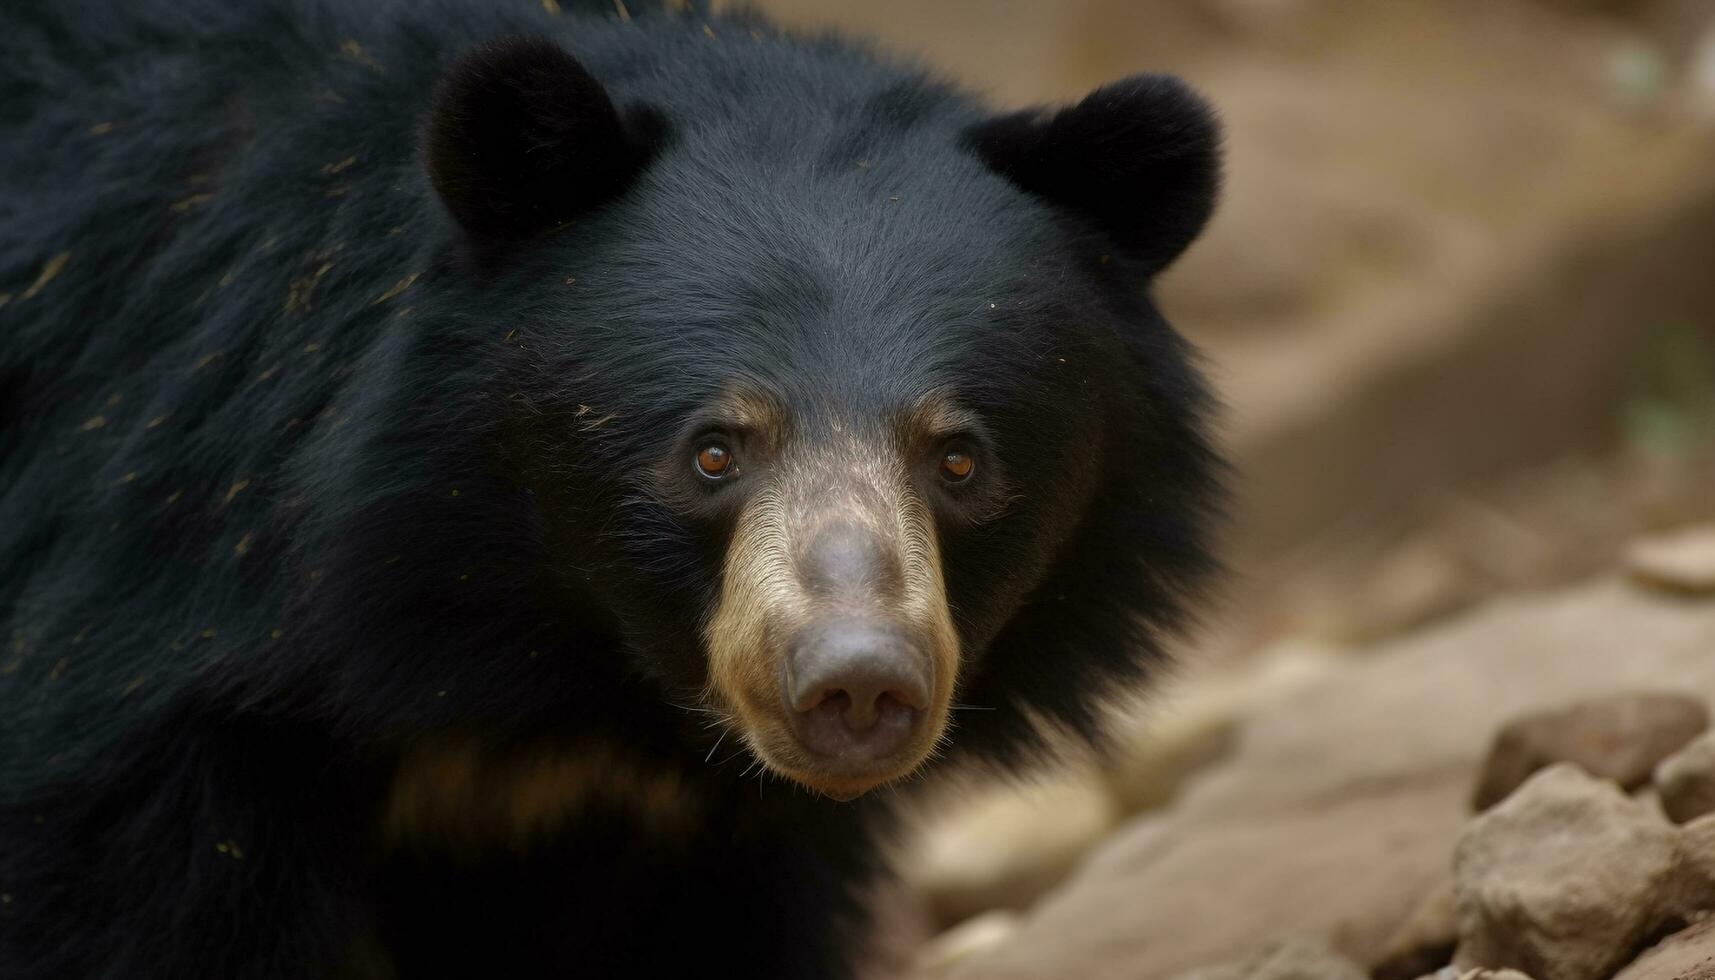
point(454, 797)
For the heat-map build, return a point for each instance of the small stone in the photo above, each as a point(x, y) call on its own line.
point(966, 939)
point(1621, 737)
point(1682, 561)
point(1564, 878)
point(1285, 959)
point(1004, 847)
point(1686, 780)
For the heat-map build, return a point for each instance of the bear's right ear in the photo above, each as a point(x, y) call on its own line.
point(522, 139)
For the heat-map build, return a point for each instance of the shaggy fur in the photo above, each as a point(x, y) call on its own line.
point(311, 464)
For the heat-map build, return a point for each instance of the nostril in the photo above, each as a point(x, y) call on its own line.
point(857, 688)
point(863, 714)
point(814, 698)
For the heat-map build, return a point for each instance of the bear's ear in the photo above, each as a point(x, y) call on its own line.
point(1140, 159)
point(522, 139)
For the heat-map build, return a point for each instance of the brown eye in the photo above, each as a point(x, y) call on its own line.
point(956, 466)
point(714, 461)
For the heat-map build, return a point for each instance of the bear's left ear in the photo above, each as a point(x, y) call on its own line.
point(522, 139)
point(1139, 159)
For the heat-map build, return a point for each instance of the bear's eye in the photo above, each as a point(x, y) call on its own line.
point(714, 461)
point(957, 465)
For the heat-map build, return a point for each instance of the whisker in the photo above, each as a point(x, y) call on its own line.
point(694, 709)
point(717, 745)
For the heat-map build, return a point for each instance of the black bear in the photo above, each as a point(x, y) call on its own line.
point(489, 487)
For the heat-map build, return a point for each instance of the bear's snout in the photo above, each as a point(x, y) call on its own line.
point(831, 643)
point(856, 692)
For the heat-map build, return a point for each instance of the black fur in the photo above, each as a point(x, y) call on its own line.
point(289, 485)
point(1139, 158)
point(523, 139)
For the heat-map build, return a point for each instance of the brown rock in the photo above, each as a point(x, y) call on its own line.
point(1682, 561)
point(1695, 893)
point(1427, 939)
point(1686, 955)
point(1685, 780)
point(970, 937)
point(1563, 879)
point(1430, 702)
point(1285, 959)
point(1621, 737)
point(1454, 973)
point(1339, 807)
point(1003, 846)
point(1163, 896)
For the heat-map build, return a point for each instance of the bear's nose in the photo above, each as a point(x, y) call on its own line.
point(857, 690)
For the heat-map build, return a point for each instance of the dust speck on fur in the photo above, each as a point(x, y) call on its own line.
point(398, 288)
point(50, 270)
point(299, 293)
point(353, 50)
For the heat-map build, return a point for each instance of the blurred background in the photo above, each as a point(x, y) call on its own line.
point(1460, 301)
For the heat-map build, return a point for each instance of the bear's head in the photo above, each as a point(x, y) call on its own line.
point(847, 409)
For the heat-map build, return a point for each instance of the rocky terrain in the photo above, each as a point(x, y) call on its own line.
point(1526, 786)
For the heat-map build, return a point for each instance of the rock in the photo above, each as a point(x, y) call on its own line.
point(1002, 847)
point(1563, 879)
point(965, 940)
point(1179, 732)
point(1685, 781)
point(1454, 973)
point(1686, 955)
point(1162, 756)
point(1337, 811)
point(1621, 737)
point(1695, 891)
point(1429, 703)
point(1425, 941)
point(1164, 896)
point(1682, 561)
point(1285, 959)
point(1002, 844)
